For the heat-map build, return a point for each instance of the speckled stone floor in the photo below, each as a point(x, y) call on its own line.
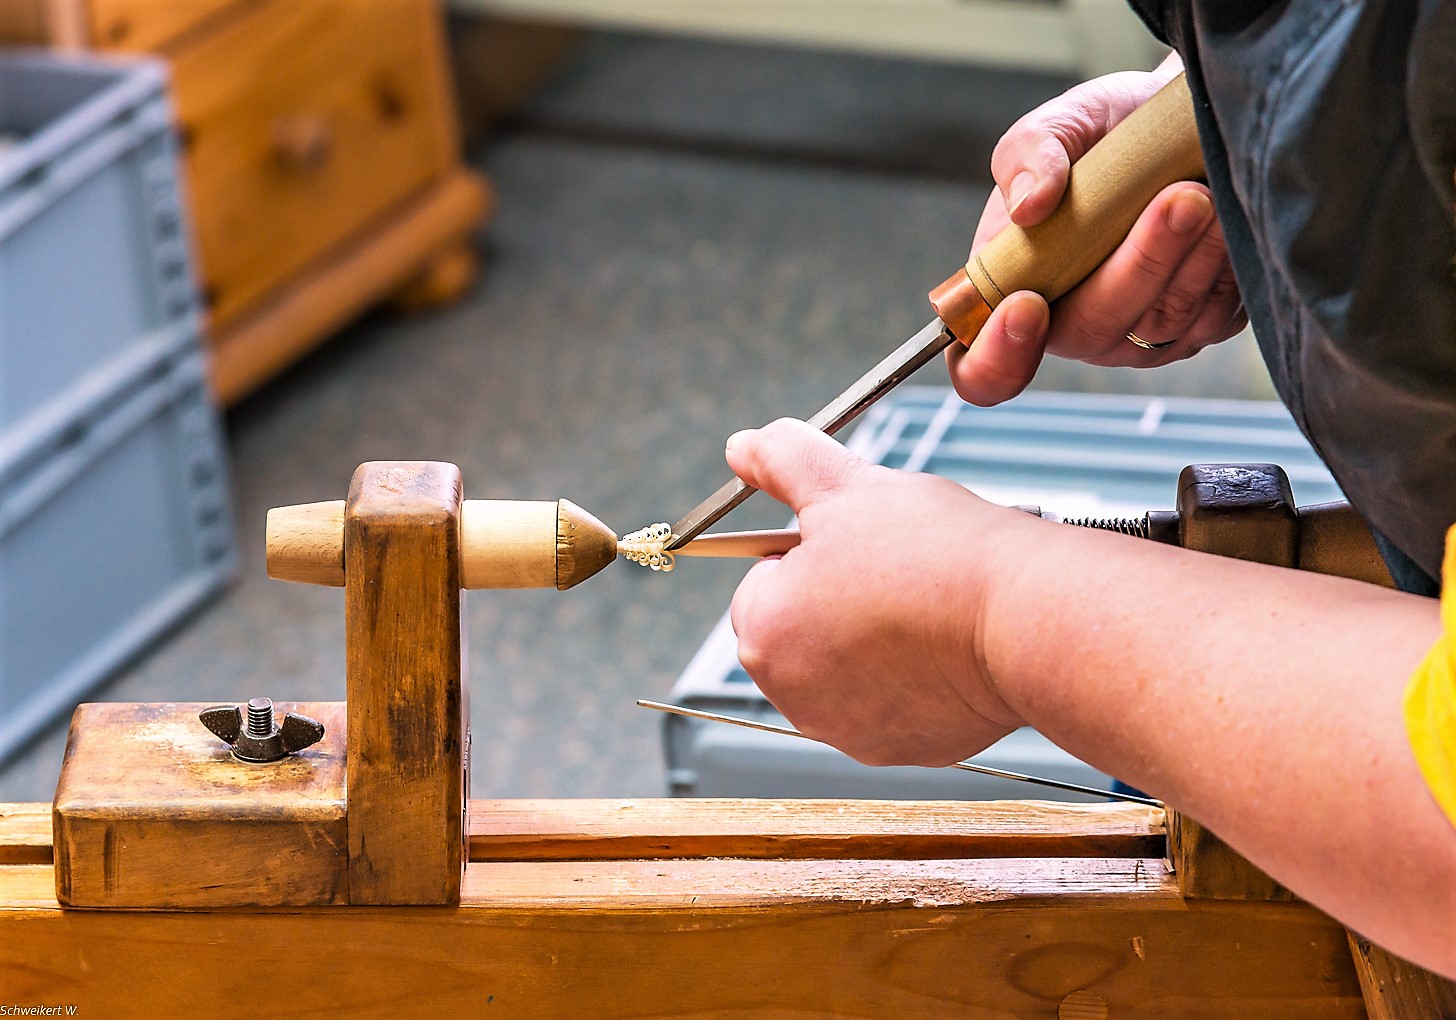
point(692, 238)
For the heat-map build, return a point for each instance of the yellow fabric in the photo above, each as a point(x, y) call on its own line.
point(1430, 698)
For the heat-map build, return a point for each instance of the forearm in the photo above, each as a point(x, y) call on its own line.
point(1264, 702)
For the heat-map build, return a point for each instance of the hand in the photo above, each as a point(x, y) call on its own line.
point(1169, 280)
point(865, 635)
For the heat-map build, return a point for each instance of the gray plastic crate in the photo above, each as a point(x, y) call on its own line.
point(107, 539)
point(1073, 454)
point(95, 281)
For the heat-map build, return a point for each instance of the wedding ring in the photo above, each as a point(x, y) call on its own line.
point(1145, 345)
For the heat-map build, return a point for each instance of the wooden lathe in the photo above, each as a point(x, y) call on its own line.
point(355, 877)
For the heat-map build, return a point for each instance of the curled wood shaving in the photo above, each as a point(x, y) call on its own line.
point(647, 547)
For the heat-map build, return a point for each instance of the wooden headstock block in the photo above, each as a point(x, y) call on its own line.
point(153, 810)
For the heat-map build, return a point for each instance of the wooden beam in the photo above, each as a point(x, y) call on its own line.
point(1245, 511)
point(25, 834)
point(407, 729)
point(977, 939)
point(549, 830)
point(1397, 990)
point(1208, 868)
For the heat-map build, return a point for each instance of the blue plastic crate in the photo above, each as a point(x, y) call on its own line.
point(96, 284)
point(107, 540)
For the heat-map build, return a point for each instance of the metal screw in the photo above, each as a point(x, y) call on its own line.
point(261, 740)
point(260, 717)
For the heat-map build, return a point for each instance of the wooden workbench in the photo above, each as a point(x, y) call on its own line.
point(716, 908)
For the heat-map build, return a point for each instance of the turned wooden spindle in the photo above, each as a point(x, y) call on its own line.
point(503, 543)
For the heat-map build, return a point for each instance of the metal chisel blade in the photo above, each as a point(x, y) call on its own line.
point(843, 409)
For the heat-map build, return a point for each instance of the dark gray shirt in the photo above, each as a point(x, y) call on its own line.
point(1329, 133)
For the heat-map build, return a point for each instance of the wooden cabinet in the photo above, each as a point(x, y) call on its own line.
point(321, 156)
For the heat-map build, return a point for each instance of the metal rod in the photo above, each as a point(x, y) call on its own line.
point(896, 367)
point(788, 731)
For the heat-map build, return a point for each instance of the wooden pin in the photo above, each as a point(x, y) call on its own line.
point(649, 546)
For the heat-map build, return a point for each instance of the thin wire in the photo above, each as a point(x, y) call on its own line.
point(985, 770)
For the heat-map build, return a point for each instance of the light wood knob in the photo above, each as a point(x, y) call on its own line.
point(503, 543)
point(302, 142)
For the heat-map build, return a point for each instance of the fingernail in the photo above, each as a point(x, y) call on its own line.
point(1189, 212)
point(1022, 185)
point(1024, 319)
point(736, 438)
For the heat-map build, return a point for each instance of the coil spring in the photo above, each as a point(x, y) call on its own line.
point(1137, 528)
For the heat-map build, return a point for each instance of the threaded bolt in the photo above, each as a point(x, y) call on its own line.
point(260, 717)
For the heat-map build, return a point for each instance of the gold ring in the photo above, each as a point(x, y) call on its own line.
point(1145, 345)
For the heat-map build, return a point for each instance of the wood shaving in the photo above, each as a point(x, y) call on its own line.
point(648, 547)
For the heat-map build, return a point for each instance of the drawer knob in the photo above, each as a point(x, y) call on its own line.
point(302, 142)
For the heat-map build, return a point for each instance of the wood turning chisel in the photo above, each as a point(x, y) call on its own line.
point(1107, 190)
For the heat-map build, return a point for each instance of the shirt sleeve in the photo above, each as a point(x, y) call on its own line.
point(1430, 698)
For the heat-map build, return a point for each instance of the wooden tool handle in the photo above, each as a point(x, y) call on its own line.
point(1107, 189)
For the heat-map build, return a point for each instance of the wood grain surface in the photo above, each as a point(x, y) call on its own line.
point(25, 834)
point(1398, 990)
point(152, 810)
point(407, 721)
point(549, 830)
point(806, 829)
point(969, 939)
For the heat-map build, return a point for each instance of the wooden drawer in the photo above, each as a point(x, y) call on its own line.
point(302, 123)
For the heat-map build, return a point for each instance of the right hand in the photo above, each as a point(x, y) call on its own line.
point(1170, 279)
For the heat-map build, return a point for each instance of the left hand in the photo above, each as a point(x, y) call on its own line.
point(865, 635)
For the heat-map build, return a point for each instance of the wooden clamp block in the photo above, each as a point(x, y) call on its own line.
point(153, 811)
point(1246, 511)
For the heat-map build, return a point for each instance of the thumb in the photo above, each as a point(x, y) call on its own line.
point(792, 461)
